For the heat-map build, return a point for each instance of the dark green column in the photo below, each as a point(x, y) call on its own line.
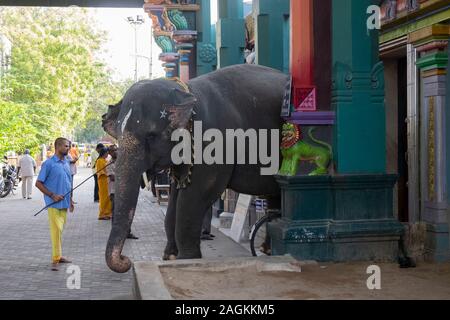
point(230, 33)
point(272, 33)
point(358, 91)
point(206, 45)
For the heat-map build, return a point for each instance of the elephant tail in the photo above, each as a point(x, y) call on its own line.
point(322, 143)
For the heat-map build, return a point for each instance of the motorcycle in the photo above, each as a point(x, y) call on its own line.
point(2, 184)
point(9, 177)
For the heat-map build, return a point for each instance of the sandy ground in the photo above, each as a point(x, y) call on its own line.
point(325, 281)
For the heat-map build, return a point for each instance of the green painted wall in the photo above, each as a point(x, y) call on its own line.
point(230, 33)
point(206, 41)
point(271, 34)
point(230, 9)
point(358, 91)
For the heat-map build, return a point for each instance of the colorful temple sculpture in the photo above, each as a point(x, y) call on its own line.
point(414, 48)
point(174, 31)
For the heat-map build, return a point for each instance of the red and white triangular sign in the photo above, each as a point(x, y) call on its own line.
point(307, 99)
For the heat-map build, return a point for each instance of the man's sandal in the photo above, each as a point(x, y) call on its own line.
point(64, 260)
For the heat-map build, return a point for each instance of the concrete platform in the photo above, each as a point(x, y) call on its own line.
point(155, 280)
point(279, 278)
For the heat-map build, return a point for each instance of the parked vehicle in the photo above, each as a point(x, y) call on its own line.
point(9, 175)
point(2, 184)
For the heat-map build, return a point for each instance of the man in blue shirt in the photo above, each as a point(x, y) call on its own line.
point(55, 182)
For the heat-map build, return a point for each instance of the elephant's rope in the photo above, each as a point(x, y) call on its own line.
point(181, 83)
point(183, 182)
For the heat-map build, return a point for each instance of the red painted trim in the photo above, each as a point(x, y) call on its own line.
point(302, 44)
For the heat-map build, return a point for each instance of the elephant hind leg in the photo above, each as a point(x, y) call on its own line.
point(171, 250)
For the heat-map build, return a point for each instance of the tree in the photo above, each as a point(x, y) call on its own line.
point(105, 94)
point(55, 84)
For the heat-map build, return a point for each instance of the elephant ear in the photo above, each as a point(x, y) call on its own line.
point(181, 108)
point(109, 120)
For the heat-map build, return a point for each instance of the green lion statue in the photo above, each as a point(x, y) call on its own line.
point(294, 150)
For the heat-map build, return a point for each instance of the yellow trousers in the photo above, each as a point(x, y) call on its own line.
point(57, 220)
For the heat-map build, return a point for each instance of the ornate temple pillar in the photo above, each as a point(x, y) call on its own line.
point(272, 33)
point(358, 91)
point(302, 47)
point(310, 54)
point(174, 32)
point(230, 33)
point(206, 45)
point(346, 215)
point(432, 47)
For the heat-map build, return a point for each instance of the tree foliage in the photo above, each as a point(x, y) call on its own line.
point(56, 85)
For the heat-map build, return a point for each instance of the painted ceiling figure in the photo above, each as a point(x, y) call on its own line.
point(412, 5)
point(250, 32)
point(250, 54)
point(391, 9)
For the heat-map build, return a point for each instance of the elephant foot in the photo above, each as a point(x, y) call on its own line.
point(266, 249)
point(170, 252)
point(196, 255)
point(169, 257)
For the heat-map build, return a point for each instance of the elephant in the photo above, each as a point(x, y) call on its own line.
point(236, 97)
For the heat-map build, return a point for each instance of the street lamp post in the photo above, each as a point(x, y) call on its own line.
point(5, 57)
point(135, 23)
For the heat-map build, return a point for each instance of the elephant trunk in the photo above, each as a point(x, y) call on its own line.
point(125, 200)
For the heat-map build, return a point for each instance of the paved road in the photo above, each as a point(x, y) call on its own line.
point(25, 249)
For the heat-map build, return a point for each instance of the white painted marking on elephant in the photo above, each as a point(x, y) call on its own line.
point(163, 114)
point(125, 121)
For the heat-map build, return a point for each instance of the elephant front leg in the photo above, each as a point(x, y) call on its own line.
point(171, 251)
point(208, 183)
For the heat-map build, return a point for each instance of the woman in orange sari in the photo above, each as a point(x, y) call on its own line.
point(105, 209)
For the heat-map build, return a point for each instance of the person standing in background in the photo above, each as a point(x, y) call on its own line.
point(28, 167)
point(94, 157)
point(105, 210)
point(73, 157)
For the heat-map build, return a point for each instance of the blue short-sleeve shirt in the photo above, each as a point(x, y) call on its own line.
point(56, 176)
